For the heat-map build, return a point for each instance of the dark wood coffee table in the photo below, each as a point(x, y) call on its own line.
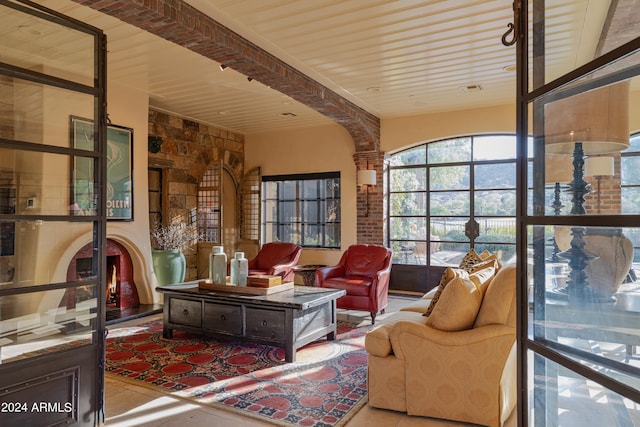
point(289, 319)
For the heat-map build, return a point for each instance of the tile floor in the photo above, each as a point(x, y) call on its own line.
point(127, 405)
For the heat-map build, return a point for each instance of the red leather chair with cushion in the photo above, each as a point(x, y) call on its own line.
point(276, 259)
point(363, 272)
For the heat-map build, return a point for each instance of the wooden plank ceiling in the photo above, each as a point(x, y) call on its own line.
point(391, 58)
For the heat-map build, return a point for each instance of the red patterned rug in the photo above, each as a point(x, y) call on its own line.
point(324, 387)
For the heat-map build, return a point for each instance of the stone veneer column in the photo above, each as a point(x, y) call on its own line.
point(188, 150)
point(370, 227)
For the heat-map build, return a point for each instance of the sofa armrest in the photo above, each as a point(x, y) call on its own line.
point(377, 341)
point(431, 293)
point(474, 364)
point(443, 339)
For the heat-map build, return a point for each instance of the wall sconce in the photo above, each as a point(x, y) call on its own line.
point(598, 167)
point(367, 178)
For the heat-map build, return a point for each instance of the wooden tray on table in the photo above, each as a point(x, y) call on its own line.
point(210, 286)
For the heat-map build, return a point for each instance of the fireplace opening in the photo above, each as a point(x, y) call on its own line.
point(121, 292)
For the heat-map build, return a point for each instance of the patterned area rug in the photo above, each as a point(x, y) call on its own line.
point(324, 387)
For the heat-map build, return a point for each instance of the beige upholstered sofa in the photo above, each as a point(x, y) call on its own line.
point(435, 367)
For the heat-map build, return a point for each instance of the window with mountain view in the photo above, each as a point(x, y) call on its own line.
point(448, 196)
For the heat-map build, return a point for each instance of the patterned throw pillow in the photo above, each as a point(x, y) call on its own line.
point(481, 266)
point(471, 258)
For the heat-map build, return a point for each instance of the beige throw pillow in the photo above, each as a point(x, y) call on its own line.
point(481, 274)
point(457, 307)
point(448, 275)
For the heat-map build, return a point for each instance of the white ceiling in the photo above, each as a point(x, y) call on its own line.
point(392, 58)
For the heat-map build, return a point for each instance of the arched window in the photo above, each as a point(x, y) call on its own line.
point(448, 196)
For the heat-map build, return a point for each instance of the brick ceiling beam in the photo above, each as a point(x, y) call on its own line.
point(179, 22)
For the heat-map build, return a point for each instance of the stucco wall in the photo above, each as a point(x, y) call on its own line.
point(126, 107)
point(330, 148)
point(324, 149)
point(403, 132)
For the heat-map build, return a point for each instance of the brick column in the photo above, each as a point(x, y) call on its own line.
point(610, 191)
point(370, 222)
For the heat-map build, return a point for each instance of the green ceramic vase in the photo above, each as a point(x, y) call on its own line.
point(169, 265)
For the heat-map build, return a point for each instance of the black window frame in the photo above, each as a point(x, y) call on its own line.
point(403, 247)
point(281, 225)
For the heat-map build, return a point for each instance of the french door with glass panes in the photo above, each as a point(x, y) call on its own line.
point(578, 249)
point(52, 196)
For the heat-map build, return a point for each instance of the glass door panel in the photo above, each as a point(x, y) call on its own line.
point(52, 204)
point(573, 33)
point(37, 41)
point(579, 279)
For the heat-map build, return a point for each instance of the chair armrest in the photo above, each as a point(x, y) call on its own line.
point(381, 280)
point(325, 273)
point(279, 269)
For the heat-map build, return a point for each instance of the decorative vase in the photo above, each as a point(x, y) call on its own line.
point(239, 269)
point(169, 265)
point(218, 265)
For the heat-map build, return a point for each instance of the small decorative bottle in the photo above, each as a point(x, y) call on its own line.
point(218, 265)
point(239, 269)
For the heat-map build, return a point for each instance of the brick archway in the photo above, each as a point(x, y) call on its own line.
point(180, 23)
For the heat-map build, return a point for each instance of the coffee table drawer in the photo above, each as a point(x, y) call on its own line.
point(185, 312)
point(223, 318)
point(268, 324)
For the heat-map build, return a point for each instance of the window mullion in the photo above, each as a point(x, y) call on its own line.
point(306, 224)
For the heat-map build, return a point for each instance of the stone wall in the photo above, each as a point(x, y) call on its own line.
point(188, 150)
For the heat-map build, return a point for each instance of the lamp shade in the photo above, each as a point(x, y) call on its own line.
point(366, 177)
point(557, 168)
point(598, 166)
point(598, 118)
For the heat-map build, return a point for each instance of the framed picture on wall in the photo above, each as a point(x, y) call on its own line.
point(119, 170)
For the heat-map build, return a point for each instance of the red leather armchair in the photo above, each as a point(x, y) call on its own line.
point(363, 272)
point(276, 259)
